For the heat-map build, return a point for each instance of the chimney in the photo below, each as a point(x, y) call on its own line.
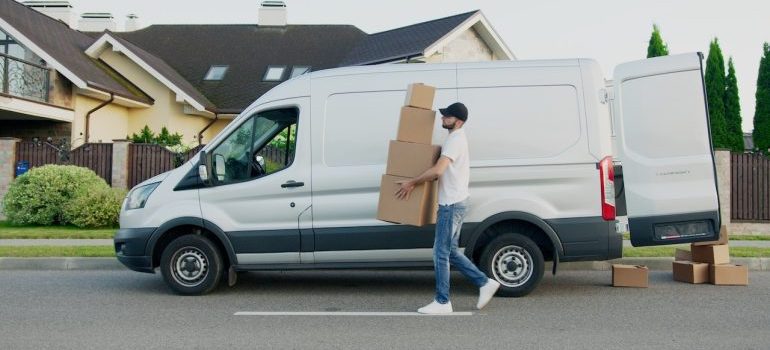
point(96, 22)
point(132, 23)
point(272, 13)
point(59, 10)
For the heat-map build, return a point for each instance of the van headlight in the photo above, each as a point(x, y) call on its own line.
point(137, 198)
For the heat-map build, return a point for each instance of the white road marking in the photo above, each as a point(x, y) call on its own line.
point(341, 313)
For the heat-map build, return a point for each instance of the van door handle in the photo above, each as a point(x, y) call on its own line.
point(292, 183)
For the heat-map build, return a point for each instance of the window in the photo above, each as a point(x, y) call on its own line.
point(274, 73)
point(299, 70)
point(216, 73)
point(262, 145)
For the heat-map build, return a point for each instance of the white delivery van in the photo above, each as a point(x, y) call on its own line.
point(293, 182)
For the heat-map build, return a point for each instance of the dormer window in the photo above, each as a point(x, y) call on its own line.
point(299, 70)
point(274, 73)
point(216, 73)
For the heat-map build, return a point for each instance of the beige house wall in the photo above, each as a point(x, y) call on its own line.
point(164, 112)
point(106, 124)
point(214, 130)
point(468, 47)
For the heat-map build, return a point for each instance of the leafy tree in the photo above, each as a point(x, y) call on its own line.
point(656, 46)
point(762, 111)
point(733, 109)
point(715, 92)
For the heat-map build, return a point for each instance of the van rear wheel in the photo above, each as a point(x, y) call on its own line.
point(516, 262)
point(191, 265)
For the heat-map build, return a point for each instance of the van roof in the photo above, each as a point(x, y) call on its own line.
point(416, 67)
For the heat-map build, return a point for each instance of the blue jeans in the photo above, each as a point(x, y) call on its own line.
point(445, 250)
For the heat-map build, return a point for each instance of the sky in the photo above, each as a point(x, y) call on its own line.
point(610, 31)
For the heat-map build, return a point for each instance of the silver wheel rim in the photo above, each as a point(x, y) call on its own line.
point(512, 266)
point(189, 266)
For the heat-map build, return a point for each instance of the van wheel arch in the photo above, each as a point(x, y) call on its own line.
point(526, 224)
point(183, 226)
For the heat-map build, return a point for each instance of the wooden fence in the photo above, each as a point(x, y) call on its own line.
point(148, 160)
point(750, 192)
point(95, 156)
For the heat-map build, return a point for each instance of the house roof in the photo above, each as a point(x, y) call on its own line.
point(160, 67)
point(247, 50)
point(63, 49)
point(403, 42)
point(181, 55)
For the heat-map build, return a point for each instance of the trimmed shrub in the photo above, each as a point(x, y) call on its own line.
point(95, 207)
point(39, 196)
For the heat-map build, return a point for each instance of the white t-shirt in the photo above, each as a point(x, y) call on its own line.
point(453, 183)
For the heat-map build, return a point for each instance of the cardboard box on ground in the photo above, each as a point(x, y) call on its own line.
point(629, 276)
point(409, 156)
point(709, 262)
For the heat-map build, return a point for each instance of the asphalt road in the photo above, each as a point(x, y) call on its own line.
point(574, 310)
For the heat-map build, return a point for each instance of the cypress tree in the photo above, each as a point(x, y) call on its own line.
point(715, 92)
point(656, 46)
point(762, 111)
point(733, 109)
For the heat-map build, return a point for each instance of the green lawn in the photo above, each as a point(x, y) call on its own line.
point(8, 231)
point(668, 251)
point(57, 251)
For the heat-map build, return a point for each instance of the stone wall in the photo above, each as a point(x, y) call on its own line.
point(7, 167)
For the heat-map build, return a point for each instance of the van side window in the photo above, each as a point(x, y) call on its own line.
point(260, 146)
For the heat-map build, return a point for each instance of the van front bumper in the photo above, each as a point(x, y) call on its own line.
point(130, 247)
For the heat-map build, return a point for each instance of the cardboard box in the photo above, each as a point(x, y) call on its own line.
point(690, 272)
point(729, 275)
point(411, 159)
point(711, 254)
point(420, 95)
point(629, 276)
point(722, 238)
point(682, 255)
point(416, 125)
point(419, 210)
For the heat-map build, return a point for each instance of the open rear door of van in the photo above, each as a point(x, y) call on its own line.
point(664, 145)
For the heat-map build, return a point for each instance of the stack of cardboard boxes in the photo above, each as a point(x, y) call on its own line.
point(709, 262)
point(409, 156)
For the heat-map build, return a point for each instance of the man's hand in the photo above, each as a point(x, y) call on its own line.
point(406, 188)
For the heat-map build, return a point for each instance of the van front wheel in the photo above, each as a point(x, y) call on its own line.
point(191, 265)
point(516, 262)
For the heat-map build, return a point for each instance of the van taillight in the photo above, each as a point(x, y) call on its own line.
point(607, 180)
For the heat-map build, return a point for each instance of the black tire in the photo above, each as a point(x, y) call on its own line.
point(191, 265)
point(516, 262)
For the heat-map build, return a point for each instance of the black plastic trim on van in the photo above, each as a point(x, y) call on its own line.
point(588, 238)
point(673, 229)
point(470, 241)
point(130, 244)
point(191, 180)
point(193, 221)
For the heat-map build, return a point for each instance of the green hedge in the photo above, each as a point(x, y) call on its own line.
point(61, 195)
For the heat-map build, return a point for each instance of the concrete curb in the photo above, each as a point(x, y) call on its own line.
point(74, 263)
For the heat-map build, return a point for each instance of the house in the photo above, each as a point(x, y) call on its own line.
point(97, 84)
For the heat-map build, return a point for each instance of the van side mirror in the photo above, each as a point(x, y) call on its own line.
point(261, 161)
point(219, 167)
point(203, 168)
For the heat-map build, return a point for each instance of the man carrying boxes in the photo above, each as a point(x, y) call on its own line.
point(453, 172)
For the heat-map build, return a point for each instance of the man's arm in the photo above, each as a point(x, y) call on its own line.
point(431, 174)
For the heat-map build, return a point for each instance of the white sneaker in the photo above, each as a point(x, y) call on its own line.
point(435, 308)
point(486, 292)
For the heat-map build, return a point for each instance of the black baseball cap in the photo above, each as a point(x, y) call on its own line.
point(457, 110)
